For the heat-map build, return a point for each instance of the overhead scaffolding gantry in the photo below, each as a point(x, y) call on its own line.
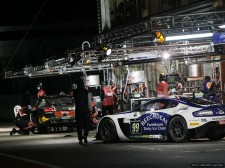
point(135, 43)
point(169, 25)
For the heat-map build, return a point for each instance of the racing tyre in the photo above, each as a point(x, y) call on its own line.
point(178, 131)
point(107, 131)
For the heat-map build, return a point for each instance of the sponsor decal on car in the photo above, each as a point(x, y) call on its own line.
point(194, 123)
point(145, 136)
point(156, 136)
point(221, 112)
point(152, 123)
point(153, 116)
point(218, 118)
point(204, 120)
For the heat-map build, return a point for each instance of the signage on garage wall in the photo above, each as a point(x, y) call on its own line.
point(219, 38)
point(92, 80)
point(136, 77)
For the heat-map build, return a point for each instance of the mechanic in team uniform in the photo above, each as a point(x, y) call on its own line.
point(41, 91)
point(117, 96)
point(23, 122)
point(163, 86)
point(210, 89)
point(107, 98)
point(36, 116)
point(83, 104)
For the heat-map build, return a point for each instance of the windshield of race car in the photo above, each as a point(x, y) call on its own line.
point(199, 101)
point(158, 104)
point(61, 101)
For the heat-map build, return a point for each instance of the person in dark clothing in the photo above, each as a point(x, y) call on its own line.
point(83, 104)
point(207, 84)
point(26, 99)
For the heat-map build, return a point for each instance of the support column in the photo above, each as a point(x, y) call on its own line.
point(222, 74)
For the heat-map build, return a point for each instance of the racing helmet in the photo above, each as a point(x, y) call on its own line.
point(39, 86)
point(162, 77)
point(74, 86)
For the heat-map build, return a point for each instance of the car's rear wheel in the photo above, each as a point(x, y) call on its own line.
point(43, 128)
point(177, 129)
point(107, 131)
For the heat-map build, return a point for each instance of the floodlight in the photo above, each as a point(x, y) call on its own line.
point(88, 61)
point(106, 50)
point(165, 55)
point(189, 36)
point(222, 26)
point(159, 37)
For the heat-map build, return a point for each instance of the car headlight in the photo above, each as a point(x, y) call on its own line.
point(203, 114)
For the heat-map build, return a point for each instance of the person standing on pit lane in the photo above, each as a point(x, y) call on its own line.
point(163, 86)
point(107, 98)
point(41, 91)
point(35, 113)
point(83, 104)
point(207, 84)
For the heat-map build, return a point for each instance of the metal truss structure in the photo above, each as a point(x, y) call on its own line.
point(179, 24)
point(133, 44)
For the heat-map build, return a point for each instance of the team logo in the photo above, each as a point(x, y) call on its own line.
point(221, 112)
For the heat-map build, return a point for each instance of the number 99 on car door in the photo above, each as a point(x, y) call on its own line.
point(135, 127)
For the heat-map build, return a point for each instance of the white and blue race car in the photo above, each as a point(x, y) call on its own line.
point(177, 119)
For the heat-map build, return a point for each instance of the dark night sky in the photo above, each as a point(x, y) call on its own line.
point(19, 12)
point(74, 19)
point(81, 16)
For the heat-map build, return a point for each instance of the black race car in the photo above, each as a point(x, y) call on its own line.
point(54, 113)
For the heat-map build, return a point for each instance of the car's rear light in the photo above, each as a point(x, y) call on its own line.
point(49, 109)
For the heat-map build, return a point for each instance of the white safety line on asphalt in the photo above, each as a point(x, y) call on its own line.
point(143, 147)
point(29, 160)
point(5, 129)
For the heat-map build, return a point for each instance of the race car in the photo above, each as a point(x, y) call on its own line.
point(53, 113)
point(176, 119)
point(56, 113)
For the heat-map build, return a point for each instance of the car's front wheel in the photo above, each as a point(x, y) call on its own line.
point(107, 131)
point(177, 129)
